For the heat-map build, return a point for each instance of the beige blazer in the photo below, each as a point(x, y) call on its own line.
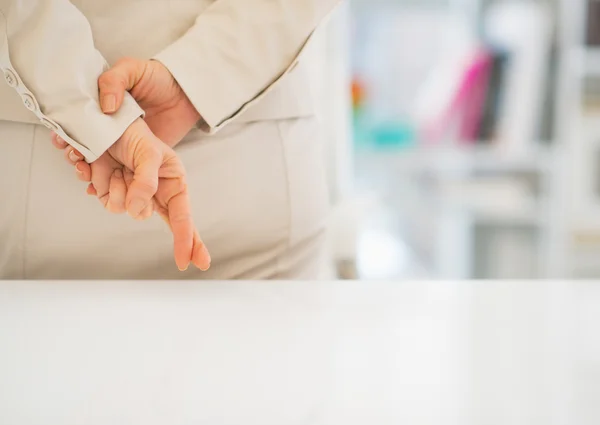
point(235, 59)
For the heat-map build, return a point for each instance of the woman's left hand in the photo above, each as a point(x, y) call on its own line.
point(157, 169)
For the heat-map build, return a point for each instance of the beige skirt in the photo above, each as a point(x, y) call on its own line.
point(259, 198)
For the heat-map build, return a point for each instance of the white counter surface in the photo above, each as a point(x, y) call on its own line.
point(303, 353)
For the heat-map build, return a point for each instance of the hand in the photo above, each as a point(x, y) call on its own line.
point(169, 113)
point(140, 174)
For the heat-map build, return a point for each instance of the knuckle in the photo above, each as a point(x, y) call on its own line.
point(105, 76)
point(180, 217)
point(115, 208)
point(124, 61)
point(103, 200)
point(106, 80)
point(147, 185)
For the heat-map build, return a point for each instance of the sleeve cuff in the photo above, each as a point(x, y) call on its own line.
point(218, 88)
point(91, 131)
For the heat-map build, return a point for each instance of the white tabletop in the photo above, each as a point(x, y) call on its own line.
point(302, 353)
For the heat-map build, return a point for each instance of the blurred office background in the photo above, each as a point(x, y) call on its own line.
point(463, 138)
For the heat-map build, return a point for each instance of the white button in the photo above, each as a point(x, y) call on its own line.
point(29, 102)
point(10, 78)
point(49, 125)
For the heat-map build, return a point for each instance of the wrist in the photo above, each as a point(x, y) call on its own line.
point(130, 137)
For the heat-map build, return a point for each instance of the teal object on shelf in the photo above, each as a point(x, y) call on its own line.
point(393, 135)
point(382, 136)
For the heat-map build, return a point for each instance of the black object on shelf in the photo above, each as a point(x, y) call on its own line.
point(493, 101)
point(592, 33)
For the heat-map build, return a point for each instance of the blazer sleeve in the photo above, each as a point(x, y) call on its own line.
point(47, 55)
point(237, 50)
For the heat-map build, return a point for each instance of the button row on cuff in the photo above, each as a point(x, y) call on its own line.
point(30, 103)
point(28, 100)
point(12, 79)
point(49, 125)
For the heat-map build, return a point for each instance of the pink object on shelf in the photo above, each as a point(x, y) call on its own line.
point(465, 112)
point(472, 97)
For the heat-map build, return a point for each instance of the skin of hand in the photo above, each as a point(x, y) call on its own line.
point(141, 174)
point(169, 113)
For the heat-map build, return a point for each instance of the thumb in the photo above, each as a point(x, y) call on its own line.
point(142, 189)
point(113, 84)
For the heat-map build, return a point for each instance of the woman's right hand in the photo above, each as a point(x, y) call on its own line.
point(169, 112)
point(140, 174)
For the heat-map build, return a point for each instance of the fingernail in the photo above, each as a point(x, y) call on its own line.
point(205, 250)
point(182, 269)
point(109, 103)
point(208, 259)
point(136, 207)
point(74, 157)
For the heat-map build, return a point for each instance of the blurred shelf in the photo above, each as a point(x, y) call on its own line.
point(402, 3)
point(524, 217)
point(457, 159)
point(521, 210)
point(585, 59)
